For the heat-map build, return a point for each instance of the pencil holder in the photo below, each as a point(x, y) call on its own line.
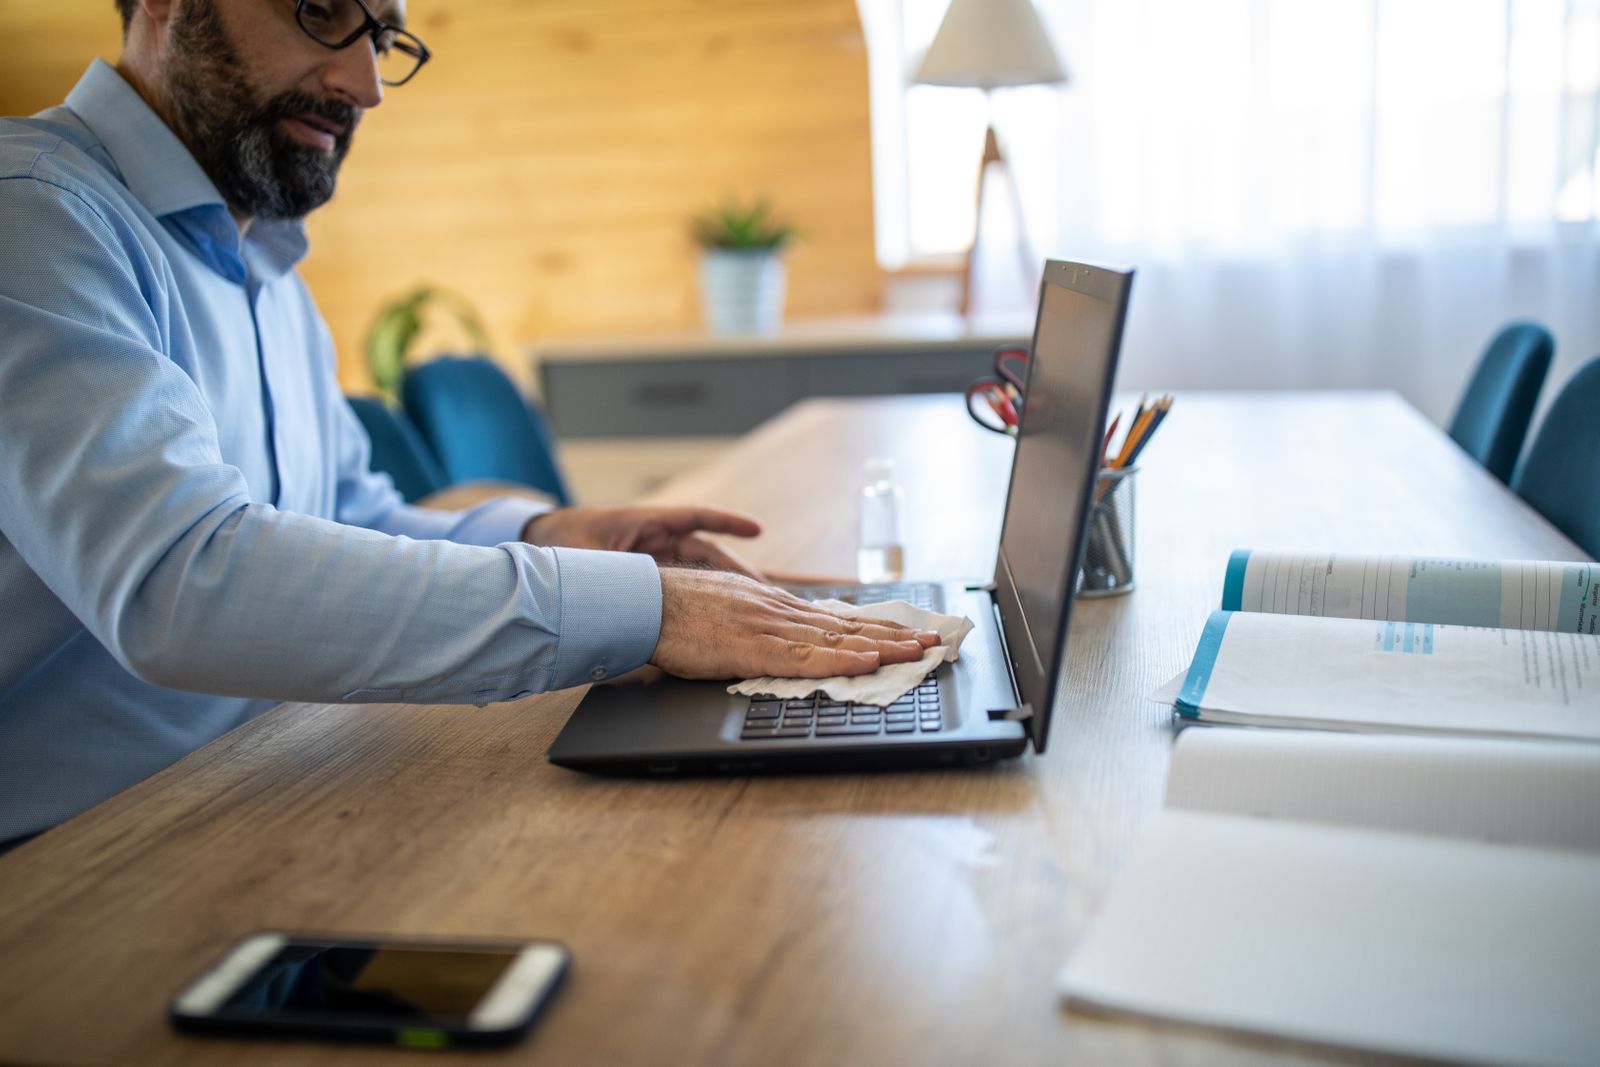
point(1108, 548)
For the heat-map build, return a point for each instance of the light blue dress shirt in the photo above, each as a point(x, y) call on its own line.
point(190, 531)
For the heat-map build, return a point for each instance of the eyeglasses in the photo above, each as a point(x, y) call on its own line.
point(341, 23)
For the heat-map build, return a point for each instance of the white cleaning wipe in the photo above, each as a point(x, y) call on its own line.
point(886, 684)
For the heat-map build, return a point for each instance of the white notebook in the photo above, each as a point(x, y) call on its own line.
point(1433, 897)
point(1487, 648)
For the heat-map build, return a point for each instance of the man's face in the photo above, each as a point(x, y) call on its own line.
point(267, 111)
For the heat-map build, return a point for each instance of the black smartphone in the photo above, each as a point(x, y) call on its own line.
point(418, 993)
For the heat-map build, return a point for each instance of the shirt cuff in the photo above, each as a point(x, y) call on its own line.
point(496, 522)
point(610, 614)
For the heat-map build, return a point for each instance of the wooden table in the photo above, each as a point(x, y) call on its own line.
point(872, 919)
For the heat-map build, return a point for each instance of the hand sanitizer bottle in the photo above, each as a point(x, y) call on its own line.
point(880, 553)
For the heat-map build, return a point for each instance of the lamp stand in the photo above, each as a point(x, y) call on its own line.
point(993, 155)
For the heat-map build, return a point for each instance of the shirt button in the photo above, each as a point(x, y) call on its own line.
point(597, 674)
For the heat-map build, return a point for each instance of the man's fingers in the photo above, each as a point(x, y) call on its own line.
point(801, 659)
point(876, 629)
point(806, 578)
point(890, 624)
point(883, 628)
point(888, 651)
point(712, 520)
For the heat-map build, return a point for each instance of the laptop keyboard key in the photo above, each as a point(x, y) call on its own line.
point(849, 730)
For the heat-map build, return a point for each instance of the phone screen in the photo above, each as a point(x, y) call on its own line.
point(338, 981)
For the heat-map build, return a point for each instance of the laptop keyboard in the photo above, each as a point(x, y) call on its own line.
point(821, 716)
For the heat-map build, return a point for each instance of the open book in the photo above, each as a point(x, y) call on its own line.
point(1396, 643)
point(1432, 897)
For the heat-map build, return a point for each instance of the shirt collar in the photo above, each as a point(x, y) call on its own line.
point(155, 165)
point(160, 172)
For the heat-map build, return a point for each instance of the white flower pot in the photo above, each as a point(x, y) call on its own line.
point(742, 291)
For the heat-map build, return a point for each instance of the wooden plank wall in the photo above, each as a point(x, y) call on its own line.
point(547, 159)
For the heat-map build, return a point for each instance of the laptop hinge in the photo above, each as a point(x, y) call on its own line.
point(1023, 711)
point(1022, 714)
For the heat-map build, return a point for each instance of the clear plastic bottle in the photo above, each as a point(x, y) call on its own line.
point(880, 552)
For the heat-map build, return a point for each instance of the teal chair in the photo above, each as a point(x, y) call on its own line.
point(1560, 475)
point(1493, 418)
point(480, 426)
point(398, 450)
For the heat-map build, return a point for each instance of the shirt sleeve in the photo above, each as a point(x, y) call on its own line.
point(115, 493)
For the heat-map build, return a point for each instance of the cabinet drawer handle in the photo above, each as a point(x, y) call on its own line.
point(670, 394)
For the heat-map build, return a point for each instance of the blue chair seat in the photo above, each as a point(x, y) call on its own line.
point(480, 426)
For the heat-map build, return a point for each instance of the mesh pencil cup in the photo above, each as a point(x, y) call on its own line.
point(1108, 547)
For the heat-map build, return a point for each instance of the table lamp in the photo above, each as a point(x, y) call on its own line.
point(988, 45)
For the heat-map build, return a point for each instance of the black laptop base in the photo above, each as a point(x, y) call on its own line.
point(816, 759)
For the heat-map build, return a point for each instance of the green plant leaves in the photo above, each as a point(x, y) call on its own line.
point(735, 225)
point(392, 333)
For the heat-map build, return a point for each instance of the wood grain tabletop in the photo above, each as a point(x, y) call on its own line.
point(915, 917)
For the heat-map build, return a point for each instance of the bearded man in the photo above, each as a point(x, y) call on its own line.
point(188, 531)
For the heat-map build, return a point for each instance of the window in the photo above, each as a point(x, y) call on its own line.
point(1237, 124)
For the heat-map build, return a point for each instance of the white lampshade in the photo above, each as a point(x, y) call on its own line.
point(989, 44)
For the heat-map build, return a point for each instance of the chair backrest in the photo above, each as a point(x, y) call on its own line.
point(480, 426)
point(1493, 418)
point(398, 450)
point(1560, 475)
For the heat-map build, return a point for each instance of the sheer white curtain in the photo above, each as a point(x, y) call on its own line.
point(1348, 193)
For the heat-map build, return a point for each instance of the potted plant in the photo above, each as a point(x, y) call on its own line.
point(741, 267)
point(393, 332)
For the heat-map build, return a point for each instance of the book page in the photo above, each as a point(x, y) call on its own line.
point(1276, 670)
point(1517, 594)
point(1423, 946)
point(1541, 793)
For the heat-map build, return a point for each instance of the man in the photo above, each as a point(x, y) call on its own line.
point(189, 529)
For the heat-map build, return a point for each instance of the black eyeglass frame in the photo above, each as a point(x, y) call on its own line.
point(371, 27)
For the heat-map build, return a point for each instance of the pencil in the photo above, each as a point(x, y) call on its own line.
point(1135, 435)
point(1161, 408)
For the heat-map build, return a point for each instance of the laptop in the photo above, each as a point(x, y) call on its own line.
point(992, 703)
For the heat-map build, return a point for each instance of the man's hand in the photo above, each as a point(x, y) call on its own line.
point(719, 625)
point(670, 534)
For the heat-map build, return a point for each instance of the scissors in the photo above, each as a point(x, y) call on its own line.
point(999, 399)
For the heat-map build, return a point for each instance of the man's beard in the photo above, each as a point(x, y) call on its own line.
point(260, 172)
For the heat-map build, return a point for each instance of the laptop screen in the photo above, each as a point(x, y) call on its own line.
point(1074, 358)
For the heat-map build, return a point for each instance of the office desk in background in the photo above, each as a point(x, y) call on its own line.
point(859, 919)
point(632, 412)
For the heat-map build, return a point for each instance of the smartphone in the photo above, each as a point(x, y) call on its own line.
point(418, 993)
